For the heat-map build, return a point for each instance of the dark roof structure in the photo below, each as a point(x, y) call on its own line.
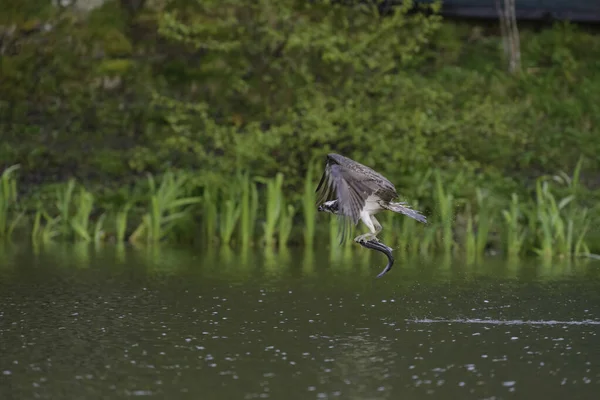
point(561, 10)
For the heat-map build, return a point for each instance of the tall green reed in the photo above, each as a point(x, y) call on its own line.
point(309, 208)
point(412, 236)
point(485, 219)
point(274, 204)
point(556, 231)
point(168, 205)
point(286, 223)
point(549, 219)
point(64, 195)
point(74, 206)
point(209, 214)
point(228, 219)
point(9, 219)
point(80, 221)
point(426, 245)
point(99, 233)
point(478, 224)
point(121, 222)
point(470, 236)
point(48, 229)
point(249, 210)
point(581, 248)
point(445, 205)
point(515, 233)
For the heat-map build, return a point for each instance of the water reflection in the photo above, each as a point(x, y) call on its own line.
point(104, 321)
point(360, 356)
point(275, 262)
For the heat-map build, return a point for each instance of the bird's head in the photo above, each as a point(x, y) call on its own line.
point(329, 206)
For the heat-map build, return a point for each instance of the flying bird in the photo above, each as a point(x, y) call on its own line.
point(354, 192)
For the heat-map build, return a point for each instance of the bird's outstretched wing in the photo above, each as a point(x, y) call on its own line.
point(350, 187)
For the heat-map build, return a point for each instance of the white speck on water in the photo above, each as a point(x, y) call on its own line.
point(508, 383)
point(141, 393)
point(7, 372)
point(514, 338)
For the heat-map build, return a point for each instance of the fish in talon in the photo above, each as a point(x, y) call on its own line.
point(381, 247)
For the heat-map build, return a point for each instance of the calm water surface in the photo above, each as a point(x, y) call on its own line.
point(215, 324)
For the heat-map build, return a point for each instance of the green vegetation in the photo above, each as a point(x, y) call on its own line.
point(167, 206)
point(274, 203)
point(548, 226)
point(8, 198)
point(242, 118)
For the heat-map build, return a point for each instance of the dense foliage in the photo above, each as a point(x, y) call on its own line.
point(216, 86)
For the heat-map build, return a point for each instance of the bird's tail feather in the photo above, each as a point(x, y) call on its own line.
point(402, 208)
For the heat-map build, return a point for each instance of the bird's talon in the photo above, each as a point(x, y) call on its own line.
point(366, 239)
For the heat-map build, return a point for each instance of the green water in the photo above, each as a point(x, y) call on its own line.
point(84, 323)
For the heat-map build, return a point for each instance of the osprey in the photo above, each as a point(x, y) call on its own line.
point(355, 192)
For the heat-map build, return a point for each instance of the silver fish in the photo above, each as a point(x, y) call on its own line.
point(379, 246)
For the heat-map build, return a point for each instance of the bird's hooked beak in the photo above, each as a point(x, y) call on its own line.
point(320, 208)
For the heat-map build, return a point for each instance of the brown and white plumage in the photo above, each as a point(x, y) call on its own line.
point(356, 192)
